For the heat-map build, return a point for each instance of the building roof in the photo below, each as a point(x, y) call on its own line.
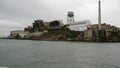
point(81, 22)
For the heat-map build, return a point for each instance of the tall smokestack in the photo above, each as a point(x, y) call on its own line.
point(99, 15)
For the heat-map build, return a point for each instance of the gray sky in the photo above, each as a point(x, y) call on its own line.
point(17, 14)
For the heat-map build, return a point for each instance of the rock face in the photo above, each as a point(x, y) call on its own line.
point(62, 34)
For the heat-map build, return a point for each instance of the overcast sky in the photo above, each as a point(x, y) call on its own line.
point(17, 14)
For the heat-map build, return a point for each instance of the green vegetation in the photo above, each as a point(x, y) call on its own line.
point(18, 36)
point(102, 35)
point(114, 36)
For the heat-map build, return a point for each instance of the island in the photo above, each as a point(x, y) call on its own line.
point(57, 31)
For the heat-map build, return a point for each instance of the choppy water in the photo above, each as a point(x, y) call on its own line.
point(57, 54)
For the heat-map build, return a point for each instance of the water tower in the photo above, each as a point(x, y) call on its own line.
point(70, 17)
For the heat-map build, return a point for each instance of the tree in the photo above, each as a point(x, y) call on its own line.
point(102, 35)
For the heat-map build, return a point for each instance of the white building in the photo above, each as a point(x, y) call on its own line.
point(21, 33)
point(79, 25)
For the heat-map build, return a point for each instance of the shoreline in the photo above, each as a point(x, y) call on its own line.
point(66, 40)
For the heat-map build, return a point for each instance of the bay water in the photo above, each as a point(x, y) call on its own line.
point(58, 54)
